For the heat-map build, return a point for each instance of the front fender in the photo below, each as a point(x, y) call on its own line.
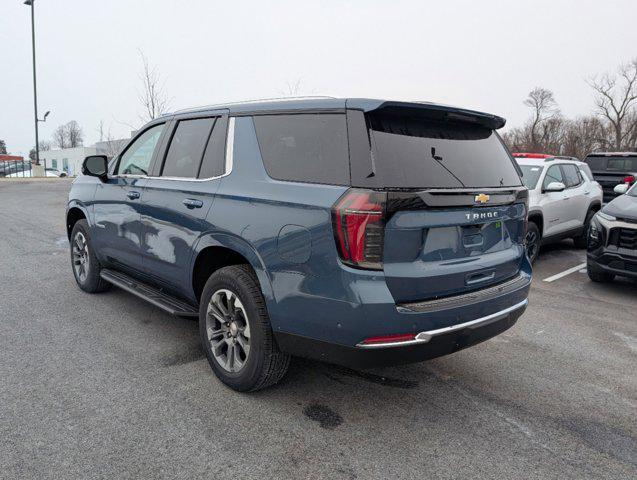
point(242, 247)
point(85, 209)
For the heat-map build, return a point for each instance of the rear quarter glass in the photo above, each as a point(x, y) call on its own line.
point(308, 147)
point(408, 151)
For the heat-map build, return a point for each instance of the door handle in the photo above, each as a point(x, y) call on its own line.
point(133, 195)
point(192, 203)
point(587, 193)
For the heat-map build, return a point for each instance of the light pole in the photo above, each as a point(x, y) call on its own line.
point(35, 89)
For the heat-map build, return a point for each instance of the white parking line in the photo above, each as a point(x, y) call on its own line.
point(557, 276)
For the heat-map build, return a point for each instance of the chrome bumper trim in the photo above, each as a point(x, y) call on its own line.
point(424, 337)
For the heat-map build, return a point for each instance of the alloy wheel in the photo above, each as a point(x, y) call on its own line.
point(532, 244)
point(80, 256)
point(228, 330)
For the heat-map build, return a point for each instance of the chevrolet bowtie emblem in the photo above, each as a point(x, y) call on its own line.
point(482, 198)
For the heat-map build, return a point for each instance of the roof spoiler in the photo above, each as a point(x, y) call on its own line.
point(433, 110)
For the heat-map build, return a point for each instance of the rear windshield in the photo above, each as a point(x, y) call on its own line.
point(530, 175)
point(619, 164)
point(416, 152)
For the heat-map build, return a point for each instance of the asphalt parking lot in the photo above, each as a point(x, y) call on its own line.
point(107, 386)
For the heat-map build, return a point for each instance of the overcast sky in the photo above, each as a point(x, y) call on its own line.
point(485, 55)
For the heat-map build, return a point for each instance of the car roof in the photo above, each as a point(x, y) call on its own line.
point(612, 154)
point(325, 103)
point(548, 161)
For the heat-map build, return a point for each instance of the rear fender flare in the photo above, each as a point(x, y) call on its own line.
point(539, 215)
point(242, 247)
point(595, 206)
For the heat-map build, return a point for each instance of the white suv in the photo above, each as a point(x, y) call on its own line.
point(563, 197)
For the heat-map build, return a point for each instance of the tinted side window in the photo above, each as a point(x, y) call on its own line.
point(572, 175)
point(136, 159)
point(586, 172)
point(186, 148)
point(214, 160)
point(597, 164)
point(627, 164)
point(304, 147)
point(553, 174)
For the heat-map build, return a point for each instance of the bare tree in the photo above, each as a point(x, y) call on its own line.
point(544, 107)
point(109, 146)
point(153, 97)
point(74, 134)
point(100, 130)
point(292, 88)
point(584, 135)
point(44, 145)
point(3, 147)
point(631, 132)
point(59, 137)
point(615, 99)
point(69, 135)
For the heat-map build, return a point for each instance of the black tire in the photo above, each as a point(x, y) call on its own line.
point(91, 282)
point(599, 277)
point(532, 241)
point(265, 364)
point(581, 241)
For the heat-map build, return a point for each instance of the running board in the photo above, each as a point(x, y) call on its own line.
point(152, 295)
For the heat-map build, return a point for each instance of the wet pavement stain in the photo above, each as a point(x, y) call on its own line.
point(181, 358)
point(325, 416)
point(373, 378)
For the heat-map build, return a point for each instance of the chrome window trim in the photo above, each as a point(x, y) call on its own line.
point(229, 162)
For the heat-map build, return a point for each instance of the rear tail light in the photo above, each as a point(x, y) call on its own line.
point(359, 228)
point(629, 179)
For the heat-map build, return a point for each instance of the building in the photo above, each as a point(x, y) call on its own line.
point(70, 160)
point(67, 160)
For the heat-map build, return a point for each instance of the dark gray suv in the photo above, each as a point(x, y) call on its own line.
point(612, 238)
point(356, 231)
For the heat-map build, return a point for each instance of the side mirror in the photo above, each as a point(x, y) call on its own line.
point(95, 166)
point(555, 187)
point(621, 188)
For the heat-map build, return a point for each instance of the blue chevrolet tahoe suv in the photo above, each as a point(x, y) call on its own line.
point(355, 231)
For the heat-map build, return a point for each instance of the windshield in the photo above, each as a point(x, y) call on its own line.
point(531, 174)
point(414, 152)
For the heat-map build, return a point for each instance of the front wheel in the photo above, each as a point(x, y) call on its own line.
point(235, 331)
point(532, 242)
point(86, 267)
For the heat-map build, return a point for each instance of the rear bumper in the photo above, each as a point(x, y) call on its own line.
point(427, 344)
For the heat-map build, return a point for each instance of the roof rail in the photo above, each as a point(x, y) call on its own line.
point(256, 100)
point(531, 155)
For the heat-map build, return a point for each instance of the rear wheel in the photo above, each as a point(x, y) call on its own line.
point(532, 241)
point(581, 241)
point(235, 331)
point(86, 267)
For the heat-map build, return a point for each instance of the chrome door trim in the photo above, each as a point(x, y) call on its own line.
point(229, 162)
